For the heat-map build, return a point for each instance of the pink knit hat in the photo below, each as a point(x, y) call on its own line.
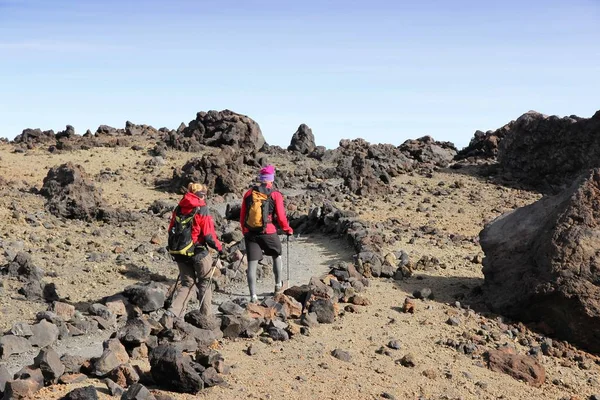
point(267, 174)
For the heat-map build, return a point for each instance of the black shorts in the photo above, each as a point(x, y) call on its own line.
point(257, 243)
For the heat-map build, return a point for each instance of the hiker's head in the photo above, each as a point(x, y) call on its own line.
point(198, 189)
point(267, 174)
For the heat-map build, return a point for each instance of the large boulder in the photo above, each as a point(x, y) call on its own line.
point(220, 172)
point(547, 152)
point(428, 151)
point(218, 129)
point(173, 371)
point(367, 168)
point(542, 263)
point(71, 193)
point(303, 140)
point(35, 136)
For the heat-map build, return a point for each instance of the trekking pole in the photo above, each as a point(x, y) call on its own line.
point(288, 262)
point(239, 265)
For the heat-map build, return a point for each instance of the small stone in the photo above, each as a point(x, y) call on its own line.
point(63, 310)
point(452, 321)
point(278, 334)
point(341, 355)
point(5, 376)
point(394, 344)
point(113, 388)
point(430, 373)
point(386, 395)
point(407, 361)
point(409, 306)
point(21, 329)
point(10, 344)
point(251, 350)
point(483, 385)
point(44, 334)
point(137, 392)
point(309, 320)
point(424, 294)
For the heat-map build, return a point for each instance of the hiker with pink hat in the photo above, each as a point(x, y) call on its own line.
point(263, 206)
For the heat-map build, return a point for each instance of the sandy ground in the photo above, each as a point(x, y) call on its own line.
point(452, 201)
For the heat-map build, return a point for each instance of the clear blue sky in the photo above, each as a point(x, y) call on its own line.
point(385, 71)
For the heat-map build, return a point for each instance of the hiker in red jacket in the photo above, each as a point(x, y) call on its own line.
point(262, 205)
point(195, 267)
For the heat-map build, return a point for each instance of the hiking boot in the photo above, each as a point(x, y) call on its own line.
point(254, 299)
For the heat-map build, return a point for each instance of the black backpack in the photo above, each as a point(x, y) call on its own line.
point(180, 235)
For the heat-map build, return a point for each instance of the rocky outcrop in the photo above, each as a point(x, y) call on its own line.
point(221, 172)
point(218, 129)
point(368, 168)
point(547, 152)
point(428, 151)
point(32, 137)
point(71, 193)
point(303, 140)
point(483, 145)
point(542, 263)
point(68, 133)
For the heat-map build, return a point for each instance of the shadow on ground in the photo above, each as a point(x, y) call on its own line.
point(448, 290)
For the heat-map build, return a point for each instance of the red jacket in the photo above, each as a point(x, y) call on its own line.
point(279, 212)
point(203, 228)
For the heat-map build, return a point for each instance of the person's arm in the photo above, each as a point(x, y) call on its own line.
point(281, 214)
point(207, 226)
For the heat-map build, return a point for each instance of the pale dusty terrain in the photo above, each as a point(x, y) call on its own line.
point(302, 368)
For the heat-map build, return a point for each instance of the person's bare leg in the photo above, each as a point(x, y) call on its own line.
point(251, 275)
point(277, 272)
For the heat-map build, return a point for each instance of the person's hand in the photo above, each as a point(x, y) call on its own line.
point(289, 232)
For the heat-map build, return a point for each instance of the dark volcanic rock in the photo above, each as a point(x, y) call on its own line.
point(137, 392)
point(368, 168)
point(548, 152)
point(48, 361)
point(71, 193)
point(427, 150)
point(220, 172)
point(174, 371)
point(483, 145)
point(542, 263)
point(135, 332)
point(84, 393)
point(35, 136)
point(324, 310)
point(218, 129)
point(149, 296)
point(303, 141)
